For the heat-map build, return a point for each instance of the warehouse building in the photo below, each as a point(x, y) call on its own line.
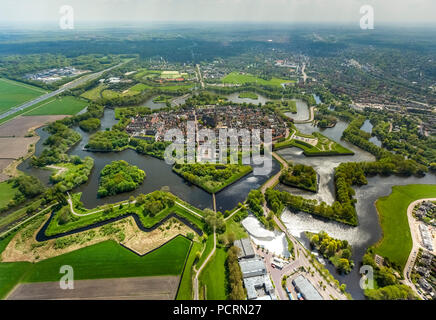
point(246, 250)
point(306, 289)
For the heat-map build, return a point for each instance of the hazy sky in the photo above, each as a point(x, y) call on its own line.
point(343, 11)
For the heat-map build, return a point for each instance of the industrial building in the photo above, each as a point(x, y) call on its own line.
point(256, 279)
point(246, 250)
point(306, 289)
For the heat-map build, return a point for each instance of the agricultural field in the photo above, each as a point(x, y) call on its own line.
point(137, 288)
point(14, 93)
point(396, 243)
point(100, 261)
point(58, 106)
point(238, 78)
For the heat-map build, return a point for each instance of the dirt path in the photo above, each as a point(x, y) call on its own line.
point(60, 170)
point(413, 225)
point(196, 295)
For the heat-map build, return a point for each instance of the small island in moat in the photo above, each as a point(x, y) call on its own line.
point(212, 177)
point(337, 251)
point(300, 176)
point(119, 177)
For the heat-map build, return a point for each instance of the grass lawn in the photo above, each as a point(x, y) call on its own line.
point(213, 276)
point(249, 95)
point(94, 93)
point(185, 288)
point(236, 228)
point(58, 106)
point(396, 243)
point(138, 88)
point(13, 94)
point(206, 252)
point(324, 147)
point(7, 193)
point(237, 78)
point(175, 87)
point(103, 260)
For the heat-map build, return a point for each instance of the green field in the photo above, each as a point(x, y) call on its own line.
point(103, 260)
point(396, 243)
point(94, 93)
point(58, 106)
point(185, 288)
point(7, 193)
point(213, 276)
point(249, 95)
point(238, 78)
point(13, 94)
point(138, 88)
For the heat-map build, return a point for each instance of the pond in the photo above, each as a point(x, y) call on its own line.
point(367, 127)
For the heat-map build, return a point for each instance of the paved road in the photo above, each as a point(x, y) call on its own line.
point(49, 95)
point(300, 253)
point(304, 73)
point(199, 76)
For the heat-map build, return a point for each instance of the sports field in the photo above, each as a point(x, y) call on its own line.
point(58, 106)
point(396, 243)
point(13, 94)
point(100, 261)
point(238, 78)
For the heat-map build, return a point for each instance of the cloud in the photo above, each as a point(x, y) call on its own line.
point(399, 11)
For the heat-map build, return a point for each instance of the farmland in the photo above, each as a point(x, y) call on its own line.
point(14, 94)
point(58, 106)
point(103, 260)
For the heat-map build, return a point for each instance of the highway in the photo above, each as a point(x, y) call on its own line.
point(49, 95)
